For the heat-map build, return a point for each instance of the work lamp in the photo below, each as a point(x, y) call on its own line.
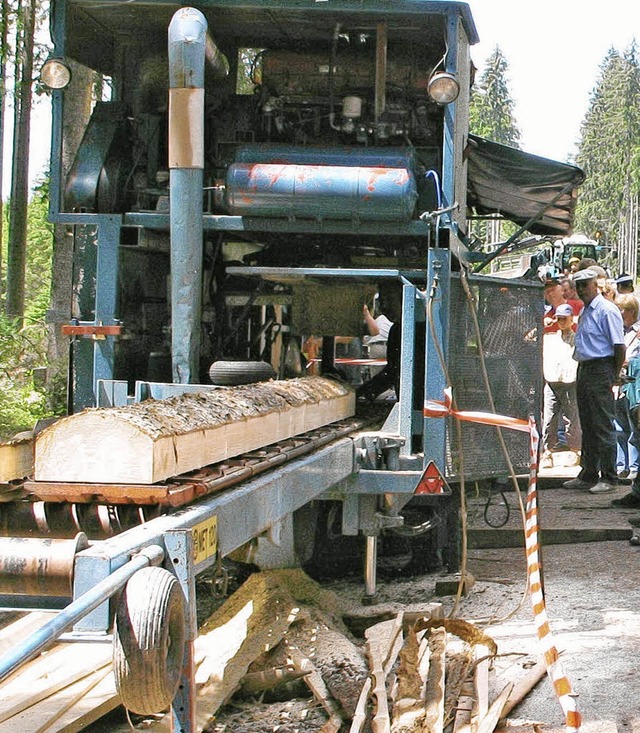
point(443, 87)
point(55, 74)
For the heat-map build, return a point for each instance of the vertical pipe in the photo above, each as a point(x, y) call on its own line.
point(107, 266)
point(405, 398)
point(370, 568)
point(451, 153)
point(58, 18)
point(187, 43)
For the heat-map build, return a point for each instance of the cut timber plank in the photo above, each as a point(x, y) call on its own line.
point(487, 724)
point(156, 439)
point(49, 687)
point(523, 686)
point(70, 710)
point(17, 631)
point(462, 721)
point(45, 687)
point(16, 459)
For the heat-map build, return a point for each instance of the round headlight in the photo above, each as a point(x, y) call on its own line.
point(443, 87)
point(55, 74)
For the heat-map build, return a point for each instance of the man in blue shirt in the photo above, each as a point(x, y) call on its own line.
point(600, 354)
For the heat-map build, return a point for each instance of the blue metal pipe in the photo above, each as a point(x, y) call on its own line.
point(87, 602)
point(187, 46)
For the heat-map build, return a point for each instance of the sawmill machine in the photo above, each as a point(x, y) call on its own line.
point(249, 175)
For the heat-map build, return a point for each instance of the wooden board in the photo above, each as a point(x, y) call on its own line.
point(16, 459)
point(156, 439)
point(46, 692)
point(71, 709)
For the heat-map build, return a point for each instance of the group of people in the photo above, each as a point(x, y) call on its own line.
point(588, 342)
point(591, 335)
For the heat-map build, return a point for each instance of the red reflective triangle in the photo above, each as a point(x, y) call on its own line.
point(432, 481)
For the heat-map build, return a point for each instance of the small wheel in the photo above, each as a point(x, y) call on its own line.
point(148, 641)
point(232, 373)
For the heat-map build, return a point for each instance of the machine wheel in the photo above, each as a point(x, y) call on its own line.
point(232, 373)
point(148, 643)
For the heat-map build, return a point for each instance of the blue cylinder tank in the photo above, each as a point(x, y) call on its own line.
point(286, 190)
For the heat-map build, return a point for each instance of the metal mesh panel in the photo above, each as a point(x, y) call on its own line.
point(508, 313)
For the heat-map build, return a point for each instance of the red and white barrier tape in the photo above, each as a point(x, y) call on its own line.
point(561, 684)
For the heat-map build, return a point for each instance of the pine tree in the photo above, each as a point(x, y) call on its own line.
point(609, 154)
point(491, 115)
point(492, 109)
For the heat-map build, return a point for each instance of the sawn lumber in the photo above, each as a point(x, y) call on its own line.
point(150, 441)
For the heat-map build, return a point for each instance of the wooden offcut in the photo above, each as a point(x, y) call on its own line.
point(153, 440)
point(16, 458)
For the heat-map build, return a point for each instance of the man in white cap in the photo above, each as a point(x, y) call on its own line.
point(600, 352)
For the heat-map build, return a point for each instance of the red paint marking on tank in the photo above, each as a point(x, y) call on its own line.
point(374, 174)
point(266, 170)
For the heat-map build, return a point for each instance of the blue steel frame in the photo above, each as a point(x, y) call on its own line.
point(97, 363)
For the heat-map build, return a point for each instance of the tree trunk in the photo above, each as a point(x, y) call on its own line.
point(17, 252)
point(4, 52)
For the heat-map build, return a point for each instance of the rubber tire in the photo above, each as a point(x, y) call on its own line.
point(233, 373)
point(148, 641)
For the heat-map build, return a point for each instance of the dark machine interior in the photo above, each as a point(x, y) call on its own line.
point(312, 88)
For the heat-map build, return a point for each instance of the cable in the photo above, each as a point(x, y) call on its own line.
point(487, 508)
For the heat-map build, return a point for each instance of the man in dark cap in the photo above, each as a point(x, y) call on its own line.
point(600, 352)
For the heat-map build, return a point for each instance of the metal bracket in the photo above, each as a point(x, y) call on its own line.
point(93, 331)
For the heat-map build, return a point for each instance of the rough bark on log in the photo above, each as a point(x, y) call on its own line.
point(336, 657)
point(384, 641)
point(434, 708)
point(413, 668)
point(153, 440)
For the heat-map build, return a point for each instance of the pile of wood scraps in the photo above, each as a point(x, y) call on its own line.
point(281, 640)
point(281, 637)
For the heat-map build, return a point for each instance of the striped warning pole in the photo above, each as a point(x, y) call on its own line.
point(561, 684)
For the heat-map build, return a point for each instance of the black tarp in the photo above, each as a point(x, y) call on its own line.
point(521, 187)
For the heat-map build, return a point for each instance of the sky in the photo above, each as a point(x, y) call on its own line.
point(554, 49)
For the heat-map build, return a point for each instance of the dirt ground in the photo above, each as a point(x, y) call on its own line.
point(592, 601)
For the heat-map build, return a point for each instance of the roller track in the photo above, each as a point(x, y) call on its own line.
point(61, 510)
